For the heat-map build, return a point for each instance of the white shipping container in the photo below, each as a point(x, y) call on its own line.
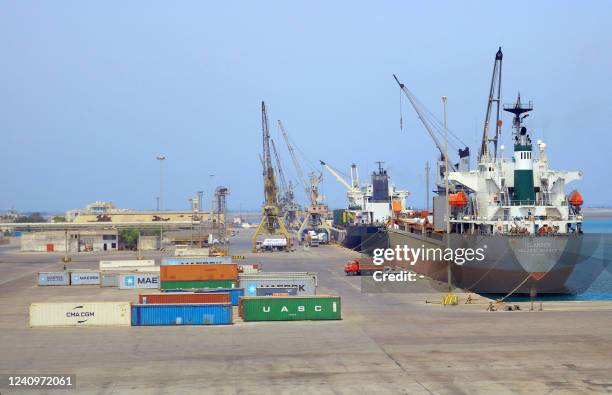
point(249, 269)
point(138, 280)
point(191, 251)
point(126, 263)
point(80, 314)
point(142, 269)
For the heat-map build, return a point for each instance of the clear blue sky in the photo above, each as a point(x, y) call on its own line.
point(91, 92)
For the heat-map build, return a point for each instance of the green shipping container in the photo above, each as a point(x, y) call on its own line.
point(198, 284)
point(290, 308)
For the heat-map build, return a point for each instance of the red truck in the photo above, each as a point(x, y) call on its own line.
point(357, 267)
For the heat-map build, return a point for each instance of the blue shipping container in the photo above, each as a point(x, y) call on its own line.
point(182, 314)
point(54, 278)
point(235, 293)
point(204, 260)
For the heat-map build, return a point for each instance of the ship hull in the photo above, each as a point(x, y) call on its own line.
point(511, 264)
point(365, 238)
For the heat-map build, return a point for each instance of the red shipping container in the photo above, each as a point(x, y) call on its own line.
point(199, 272)
point(184, 297)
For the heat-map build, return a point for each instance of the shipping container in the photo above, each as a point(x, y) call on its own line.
point(53, 278)
point(234, 293)
point(199, 272)
point(141, 269)
point(198, 284)
point(196, 260)
point(182, 314)
point(249, 269)
point(273, 291)
point(110, 279)
point(80, 314)
point(306, 284)
point(192, 251)
point(183, 297)
point(126, 263)
point(84, 277)
point(138, 280)
point(290, 308)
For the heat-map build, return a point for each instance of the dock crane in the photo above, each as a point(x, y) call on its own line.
point(288, 206)
point(316, 212)
point(271, 221)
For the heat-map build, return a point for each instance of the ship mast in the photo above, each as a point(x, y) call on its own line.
point(494, 97)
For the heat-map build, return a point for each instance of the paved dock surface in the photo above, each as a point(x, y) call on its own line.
point(386, 343)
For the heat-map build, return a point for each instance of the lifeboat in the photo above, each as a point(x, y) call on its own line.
point(458, 200)
point(397, 206)
point(575, 198)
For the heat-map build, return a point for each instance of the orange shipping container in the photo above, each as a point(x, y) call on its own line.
point(199, 272)
point(184, 297)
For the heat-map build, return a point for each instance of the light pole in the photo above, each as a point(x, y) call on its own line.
point(210, 213)
point(161, 159)
point(447, 208)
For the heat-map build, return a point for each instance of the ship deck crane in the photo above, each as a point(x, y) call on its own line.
point(353, 193)
point(271, 221)
point(494, 97)
point(435, 128)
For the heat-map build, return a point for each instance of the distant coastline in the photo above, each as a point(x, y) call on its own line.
point(597, 212)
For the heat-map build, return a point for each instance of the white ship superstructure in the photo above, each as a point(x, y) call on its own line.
point(518, 194)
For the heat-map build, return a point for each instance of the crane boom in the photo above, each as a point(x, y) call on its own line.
point(268, 170)
point(279, 169)
point(296, 162)
point(338, 177)
point(426, 122)
point(494, 97)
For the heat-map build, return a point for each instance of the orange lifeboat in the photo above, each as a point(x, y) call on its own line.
point(457, 200)
point(397, 206)
point(575, 198)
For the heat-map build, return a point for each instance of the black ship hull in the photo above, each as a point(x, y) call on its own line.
point(365, 238)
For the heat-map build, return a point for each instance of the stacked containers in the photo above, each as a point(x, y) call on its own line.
point(198, 276)
point(290, 308)
point(234, 293)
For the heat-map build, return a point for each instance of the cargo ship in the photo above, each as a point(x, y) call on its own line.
point(362, 225)
point(514, 209)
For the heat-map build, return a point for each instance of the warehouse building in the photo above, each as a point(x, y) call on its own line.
point(76, 241)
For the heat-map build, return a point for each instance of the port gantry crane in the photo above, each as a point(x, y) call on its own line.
point(288, 205)
point(316, 212)
point(271, 221)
